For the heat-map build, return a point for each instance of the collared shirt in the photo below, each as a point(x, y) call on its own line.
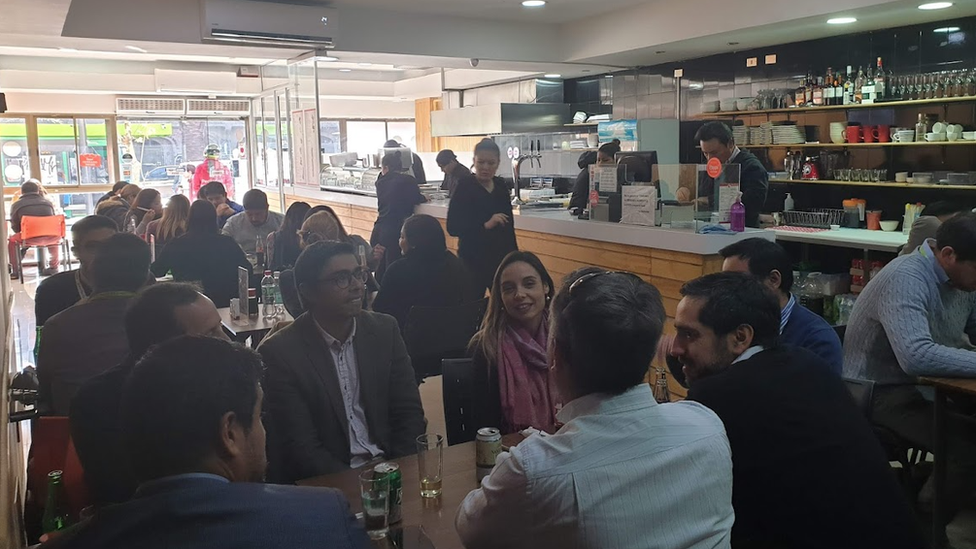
point(784, 315)
point(735, 153)
point(750, 352)
point(151, 485)
point(361, 447)
point(927, 250)
point(617, 461)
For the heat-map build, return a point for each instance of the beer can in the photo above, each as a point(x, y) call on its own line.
point(487, 447)
point(391, 471)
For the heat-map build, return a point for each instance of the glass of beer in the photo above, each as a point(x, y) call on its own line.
point(430, 458)
point(375, 491)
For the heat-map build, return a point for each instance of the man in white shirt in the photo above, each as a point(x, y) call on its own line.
point(623, 471)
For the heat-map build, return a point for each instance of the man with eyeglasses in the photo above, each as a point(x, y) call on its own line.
point(715, 140)
point(58, 292)
point(339, 388)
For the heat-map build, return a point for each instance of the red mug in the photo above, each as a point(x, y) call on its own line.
point(868, 133)
point(884, 133)
point(853, 134)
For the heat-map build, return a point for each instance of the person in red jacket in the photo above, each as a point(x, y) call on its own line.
point(212, 170)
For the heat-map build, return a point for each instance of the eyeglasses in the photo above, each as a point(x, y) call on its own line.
point(344, 279)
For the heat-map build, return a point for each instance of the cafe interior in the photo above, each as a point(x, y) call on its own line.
point(861, 112)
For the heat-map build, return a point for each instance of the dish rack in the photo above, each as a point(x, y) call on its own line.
point(821, 218)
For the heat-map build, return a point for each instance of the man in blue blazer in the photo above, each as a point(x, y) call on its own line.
point(799, 326)
point(191, 423)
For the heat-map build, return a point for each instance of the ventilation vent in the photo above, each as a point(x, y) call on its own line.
point(150, 106)
point(218, 107)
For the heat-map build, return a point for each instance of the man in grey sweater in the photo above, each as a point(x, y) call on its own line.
point(918, 318)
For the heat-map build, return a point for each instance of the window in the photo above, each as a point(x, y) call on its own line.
point(71, 151)
point(330, 136)
point(14, 162)
point(365, 137)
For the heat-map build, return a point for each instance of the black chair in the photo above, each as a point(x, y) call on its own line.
point(458, 386)
point(433, 334)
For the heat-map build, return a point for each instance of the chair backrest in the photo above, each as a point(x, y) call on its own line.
point(435, 333)
point(457, 387)
point(862, 391)
point(52, 449)
point(841, 331)
point(34, 227)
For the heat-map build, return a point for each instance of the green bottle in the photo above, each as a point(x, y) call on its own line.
point(55, 510)
point(37, 343)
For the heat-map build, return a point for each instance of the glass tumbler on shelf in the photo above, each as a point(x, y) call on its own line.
point(375, 492)
point(430, 462)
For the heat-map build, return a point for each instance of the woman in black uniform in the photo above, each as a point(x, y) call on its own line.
point(480, 216)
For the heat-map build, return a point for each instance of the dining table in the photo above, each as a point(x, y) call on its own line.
point(944, 387)
point(427, 522)
point(255, 328)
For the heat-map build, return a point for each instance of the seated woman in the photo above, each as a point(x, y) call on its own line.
point(204, 256)
point(147, 206)
point(513, 386)
point(321, 224)
point(173, 223)
point(427, 275)
point(283, 247)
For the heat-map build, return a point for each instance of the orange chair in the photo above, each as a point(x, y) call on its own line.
point(53, 450)
point(38, 232)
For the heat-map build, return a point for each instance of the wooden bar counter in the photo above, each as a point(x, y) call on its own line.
point(664, 257)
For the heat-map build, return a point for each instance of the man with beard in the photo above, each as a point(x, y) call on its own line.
point(808, 470)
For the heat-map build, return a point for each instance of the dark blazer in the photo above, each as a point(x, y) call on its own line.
point(205, 512)
point(482, 250)
point(808, 468)
point(397, 195)
point(209, 258)
point(419, 281)
point(308, 428)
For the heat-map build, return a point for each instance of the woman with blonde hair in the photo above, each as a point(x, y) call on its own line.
point(172, 224)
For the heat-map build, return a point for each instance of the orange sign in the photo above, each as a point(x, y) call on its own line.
point(90, 160)
point(714, 168)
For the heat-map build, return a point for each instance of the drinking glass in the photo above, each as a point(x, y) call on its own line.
point(375, 492)
point(430, 461)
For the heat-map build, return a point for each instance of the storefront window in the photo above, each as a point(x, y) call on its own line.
point(331, 137)
point(365, 137)
point(404, 133)
point(93, 157)
point(57, 151)
point(14, 160)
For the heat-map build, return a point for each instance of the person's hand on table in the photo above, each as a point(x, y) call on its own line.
point(497, 220)
point(224, 210)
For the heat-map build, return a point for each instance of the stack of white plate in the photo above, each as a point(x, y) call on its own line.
point(740, 134)
point(756, 136)
point(788, 135)
point(767, 133)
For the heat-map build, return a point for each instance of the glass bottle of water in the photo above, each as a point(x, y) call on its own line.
point(269, 309)
point(279, 301)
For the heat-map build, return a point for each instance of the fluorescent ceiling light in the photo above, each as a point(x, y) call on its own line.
point(935, 6)
point(326, 58)
point(345, 70)
point(947, 29)
point(533, 3)
point(841, 20)
point(365, 64)
point(553, 75)
point(136, 48)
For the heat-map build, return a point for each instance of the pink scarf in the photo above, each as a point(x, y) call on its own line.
point(528, 395)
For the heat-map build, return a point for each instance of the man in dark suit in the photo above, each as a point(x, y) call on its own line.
point(341, 391)
point(808, 470)
point(191, 424)
point(159, 313)
point(715, 140)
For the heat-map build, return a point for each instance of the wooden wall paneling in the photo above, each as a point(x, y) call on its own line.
point(422, 109)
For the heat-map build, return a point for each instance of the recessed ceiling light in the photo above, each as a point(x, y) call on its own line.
point(533, 3)
point(947, 29)
point(553, 75)
point(365, 64)
point(345, 70)
point(935, 6)
point(326, 58)
point(136, 48)
point(609, 76)
point(68, 50)
point(841, 20)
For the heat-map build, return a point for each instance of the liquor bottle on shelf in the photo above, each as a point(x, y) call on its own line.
point(818, 92)
point(848, 88)
point(868, 92)
point(859, 85)
point(838, 89)
point(828, 92)
point(808, 91)
point(879, 83)
point(800, 93)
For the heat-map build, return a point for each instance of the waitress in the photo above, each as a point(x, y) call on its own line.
point(480, 216)
point(397, 194)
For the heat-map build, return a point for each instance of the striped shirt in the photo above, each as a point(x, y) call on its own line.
point(784, 315)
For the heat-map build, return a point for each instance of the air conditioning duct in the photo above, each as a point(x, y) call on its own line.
point(196, 82)
point(218, 107)
point(149, 106)
point(499, 118)
point(268, 23)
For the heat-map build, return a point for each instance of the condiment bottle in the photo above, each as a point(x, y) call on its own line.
point(737, 215)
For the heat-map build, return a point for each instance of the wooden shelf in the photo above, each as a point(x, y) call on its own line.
point(872, 184)
point(887, 104)
point(584, 124)
point(860, 145)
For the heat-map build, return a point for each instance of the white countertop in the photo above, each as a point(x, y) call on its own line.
point(860, 239)
point(560, 222)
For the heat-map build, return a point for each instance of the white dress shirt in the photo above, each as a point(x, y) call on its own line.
point(361, 447)
point(624, 472)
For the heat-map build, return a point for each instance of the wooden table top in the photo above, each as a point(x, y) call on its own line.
point(247, 326)
point(434, 516)
point(954, 384)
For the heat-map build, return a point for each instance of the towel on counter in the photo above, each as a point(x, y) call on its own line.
point(715, 229)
